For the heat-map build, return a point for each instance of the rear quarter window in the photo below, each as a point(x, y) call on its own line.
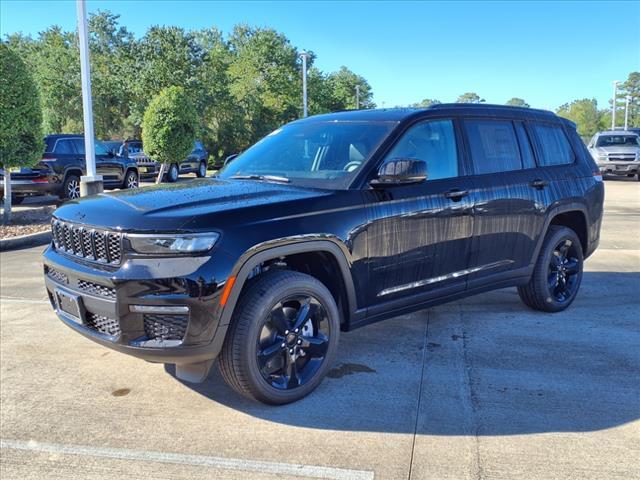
point(64, 147)
point(494, 146)
point(555, 148)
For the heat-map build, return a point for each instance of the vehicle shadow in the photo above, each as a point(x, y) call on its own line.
point(491, 367)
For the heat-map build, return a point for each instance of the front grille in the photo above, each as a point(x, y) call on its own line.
point(56, 275)
point(88, 243)
point(622, 157)
point(105, 325)
point(96, 289)
point(165, 327)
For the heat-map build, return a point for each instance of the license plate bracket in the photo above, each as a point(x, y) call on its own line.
point(69, 304)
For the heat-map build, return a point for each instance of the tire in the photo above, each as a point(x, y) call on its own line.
point(262, 358)
point(202, 170)
point(173, 173)
point(131, 180)
point(557, 274)
point(71, 187)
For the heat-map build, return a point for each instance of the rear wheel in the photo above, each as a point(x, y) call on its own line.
point(202, 170)
point(557, 274)
point(71, 187)
point(282, 339)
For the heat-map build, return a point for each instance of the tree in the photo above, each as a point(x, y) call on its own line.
point(470, 97)
point(342, 85)
point(517, 102)
point(584, 113)
point(21, 142)
point(631, 88)
point(427, 102)
point(169, 127)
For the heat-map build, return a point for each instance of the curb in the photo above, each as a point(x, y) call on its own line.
point(24, 241)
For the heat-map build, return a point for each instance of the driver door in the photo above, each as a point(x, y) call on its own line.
point(419, 235)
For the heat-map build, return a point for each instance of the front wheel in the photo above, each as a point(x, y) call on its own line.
point(202, 170)
point(173, 174)
point(131, 180)
point(283, 338)
point(557, 274)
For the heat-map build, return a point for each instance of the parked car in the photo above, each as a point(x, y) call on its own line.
point(62, 165)
point(196, 163)
point(635, 130)
point(112, 146)
point(328, 224)
point(147, 168)
point(616, 153)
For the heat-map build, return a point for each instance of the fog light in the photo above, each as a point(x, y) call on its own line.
point(158, 309)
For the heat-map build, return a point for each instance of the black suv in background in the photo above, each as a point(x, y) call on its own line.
point(328, 224)
point(62, 165)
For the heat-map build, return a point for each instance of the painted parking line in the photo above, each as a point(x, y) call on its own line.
point(275, 468)
point(28, 301)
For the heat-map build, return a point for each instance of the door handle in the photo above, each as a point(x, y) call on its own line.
point(456, 194)
point(539, 183)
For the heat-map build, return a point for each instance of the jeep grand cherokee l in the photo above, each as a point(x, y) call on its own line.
point(327, 224)
point(62, 165)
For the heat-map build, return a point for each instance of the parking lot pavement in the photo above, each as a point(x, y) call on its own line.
point(481, 388)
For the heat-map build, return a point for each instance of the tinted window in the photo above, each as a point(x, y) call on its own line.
point(64, 147)
point(526, 152)
point(99, 148)
point(435, 143)
point(554, 146)
point(494, 147)
point(79, 144)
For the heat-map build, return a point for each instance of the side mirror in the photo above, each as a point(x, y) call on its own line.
point(401, 171)
point(229, 159)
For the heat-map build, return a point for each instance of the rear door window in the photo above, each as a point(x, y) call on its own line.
point(64, 147)
point(555, 148)
point(494, 146)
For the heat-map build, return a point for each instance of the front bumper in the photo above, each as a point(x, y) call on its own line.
point(105, 297)
point(619, 168)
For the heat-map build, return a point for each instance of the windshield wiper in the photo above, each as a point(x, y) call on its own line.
point(267, 178)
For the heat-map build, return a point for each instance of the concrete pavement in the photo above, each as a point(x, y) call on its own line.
point(481, 388)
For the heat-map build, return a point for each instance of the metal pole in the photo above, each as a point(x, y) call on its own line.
point(303, 56)
point(91, 183)
point(357, 97)
point(626, 112)
point(613, 105)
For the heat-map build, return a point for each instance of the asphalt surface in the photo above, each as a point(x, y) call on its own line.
point(481, 389)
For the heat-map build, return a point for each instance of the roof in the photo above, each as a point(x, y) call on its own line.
point(400, 114)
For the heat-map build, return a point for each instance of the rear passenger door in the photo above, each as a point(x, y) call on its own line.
point(507, 186)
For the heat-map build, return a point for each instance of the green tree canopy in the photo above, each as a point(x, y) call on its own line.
point(169, 126)
point(470, 97)
point(517, 102)
point(427, 102)
point(342, 85)
point(21, 142)
point(584, 113)
point(631, 88)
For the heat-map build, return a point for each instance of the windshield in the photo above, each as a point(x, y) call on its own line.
point(324, 154)
point(618, 140)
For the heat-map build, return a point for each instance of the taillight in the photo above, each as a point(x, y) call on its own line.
point(597, 176)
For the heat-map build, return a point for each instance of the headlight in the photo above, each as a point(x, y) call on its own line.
point(172, 244)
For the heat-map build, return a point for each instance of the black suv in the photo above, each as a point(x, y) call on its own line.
point(325, 225)
point(62, 165)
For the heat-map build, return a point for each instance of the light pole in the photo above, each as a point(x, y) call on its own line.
point(626, 112)
point(357, 97)
point(91, 183)
point(304, 55)
point(613, 104)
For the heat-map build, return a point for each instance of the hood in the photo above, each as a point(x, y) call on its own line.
point(616, 149)
point(168, 207)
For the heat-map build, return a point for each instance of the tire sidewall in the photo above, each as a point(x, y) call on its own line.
point(546, 254)
point(304, 286)
point(65, 187)
point(173, 173)
point(202, 172)
point(129, 175)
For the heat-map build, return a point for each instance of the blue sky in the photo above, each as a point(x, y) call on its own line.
point(545, 52)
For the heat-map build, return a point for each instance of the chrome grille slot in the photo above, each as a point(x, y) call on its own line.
point(56, 275)
point(95, 245)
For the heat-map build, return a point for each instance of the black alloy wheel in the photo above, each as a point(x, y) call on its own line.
point(282, 339)
point(564, 268)
point(293, 342)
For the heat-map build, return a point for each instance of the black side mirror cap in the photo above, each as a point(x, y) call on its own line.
point(401, 171)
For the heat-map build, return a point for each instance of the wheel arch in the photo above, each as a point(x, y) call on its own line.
point(573, 215)
point(257, 256)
